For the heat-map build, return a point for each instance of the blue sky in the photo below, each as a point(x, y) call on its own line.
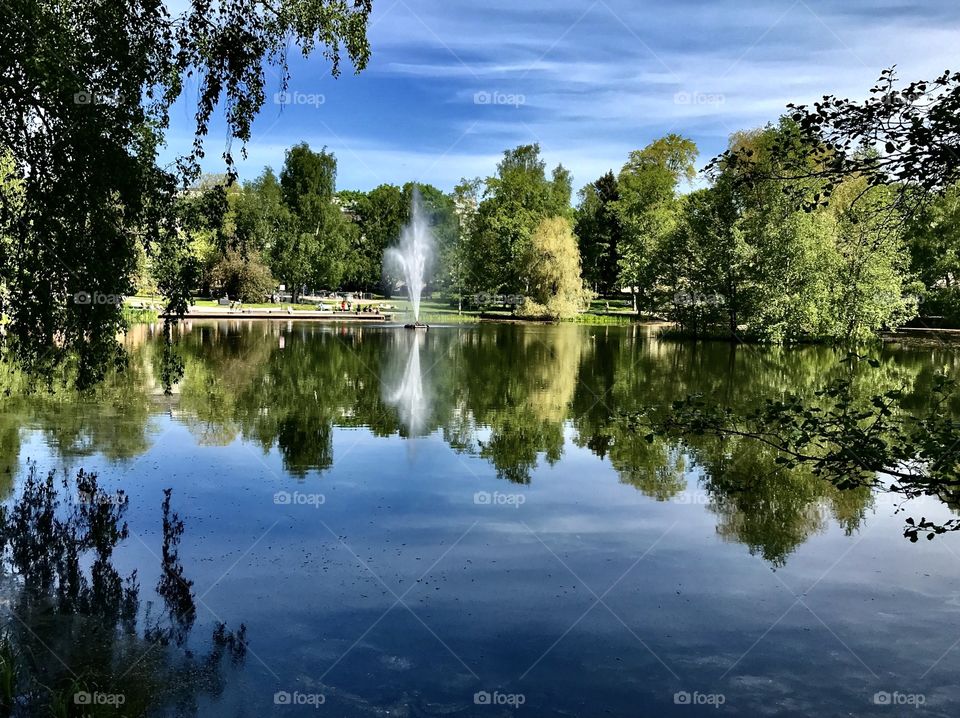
point(450, 85)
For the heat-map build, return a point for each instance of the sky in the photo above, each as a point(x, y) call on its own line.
point(452, 84)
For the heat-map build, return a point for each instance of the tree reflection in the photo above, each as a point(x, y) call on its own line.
point(507, 394)
point(770, 509)
point(73, 618)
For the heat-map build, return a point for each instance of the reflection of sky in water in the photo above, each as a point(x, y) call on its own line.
point(500, 582)
point(500, 595)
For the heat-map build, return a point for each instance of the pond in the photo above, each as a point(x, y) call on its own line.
point(366, 521)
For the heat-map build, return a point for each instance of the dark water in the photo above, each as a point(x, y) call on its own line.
point(466, 522)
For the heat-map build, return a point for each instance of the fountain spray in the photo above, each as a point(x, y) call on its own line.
point(411, 257)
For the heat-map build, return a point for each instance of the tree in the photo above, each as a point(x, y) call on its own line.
point(243, 277)
point(552, 264)
point(379, 214)
point(260, 215)
point(465, 204)
point(709, 271)
point(917, 127)
point(874, 291)
point(933, 239)
point(313, 252)
point(839, 271)
point(647, 209)
point(785, 261)
point(599, 233)
point(86, 99)
point(514, 203)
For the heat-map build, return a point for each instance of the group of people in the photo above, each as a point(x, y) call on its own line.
point(349, 306)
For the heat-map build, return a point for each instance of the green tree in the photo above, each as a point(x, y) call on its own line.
point(647, 209)
point(709, 271)
point(933, 238)
point(465, 206)
point(313, 252)
point(515, 200)
point(599, 233)
point(243, 277)
point(260, 215)
point(552, 265)
point(441, 214)
point(873, 287)
point(379, 214)
point(86, 99)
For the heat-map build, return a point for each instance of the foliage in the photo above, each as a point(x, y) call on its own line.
point(312, 252)
point(709, 265)
point(83, 110)
point(465, 207)
point(245, 278)
point(647, 210)
point(440, 212)
point(933, 238)
point(851, 440)
point(917, 126)
point(552, 263)
point(379, 215)
point(260, 216)
point(599, 232)
point(514, 202)
point(746, 260)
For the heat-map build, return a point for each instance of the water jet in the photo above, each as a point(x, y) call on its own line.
point(411, 256)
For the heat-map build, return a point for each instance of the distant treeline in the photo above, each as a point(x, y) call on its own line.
point(740, 253)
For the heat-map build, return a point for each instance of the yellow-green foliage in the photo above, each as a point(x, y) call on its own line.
point(552, 262)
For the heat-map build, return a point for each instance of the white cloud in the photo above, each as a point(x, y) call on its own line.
point(597, 80)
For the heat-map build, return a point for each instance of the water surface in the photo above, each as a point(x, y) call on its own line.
point(413, 524)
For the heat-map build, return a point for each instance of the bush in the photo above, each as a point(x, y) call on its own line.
point(245, 278)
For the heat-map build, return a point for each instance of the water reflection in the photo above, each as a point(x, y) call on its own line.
point(504, 394)
point(405, 387)
point(78, 640)
point(683, 533)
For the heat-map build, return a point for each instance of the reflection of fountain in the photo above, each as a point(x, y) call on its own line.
point(409, 393)
point(412, 255)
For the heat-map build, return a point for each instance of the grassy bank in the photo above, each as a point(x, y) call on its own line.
point(432, 311)
point(138, 315)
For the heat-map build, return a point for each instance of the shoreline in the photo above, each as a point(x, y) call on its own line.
point(281, 315)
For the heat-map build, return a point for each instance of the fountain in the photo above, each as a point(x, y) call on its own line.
point(412, 255)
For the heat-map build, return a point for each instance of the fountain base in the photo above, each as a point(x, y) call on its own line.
point(417, 325)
